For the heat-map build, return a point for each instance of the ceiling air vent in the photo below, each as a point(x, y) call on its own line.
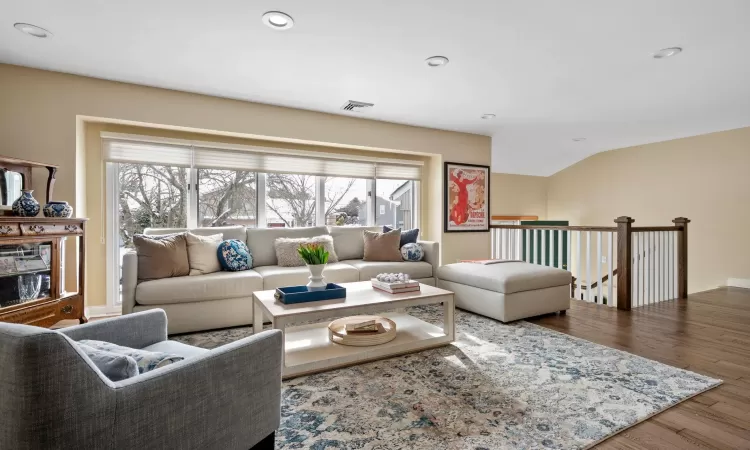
point(355, 106)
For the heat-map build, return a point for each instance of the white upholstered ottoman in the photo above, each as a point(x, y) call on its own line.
point(508, 290)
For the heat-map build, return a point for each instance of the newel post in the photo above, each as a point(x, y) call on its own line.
point(682, 256)
point(624, 262)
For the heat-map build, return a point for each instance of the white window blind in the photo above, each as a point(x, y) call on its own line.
point(164, 154)
point(137, 149)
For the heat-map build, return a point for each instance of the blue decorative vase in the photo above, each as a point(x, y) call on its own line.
point(57, 209)
point(26, 205)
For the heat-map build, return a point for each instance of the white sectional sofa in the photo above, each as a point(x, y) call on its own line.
point(224, 299)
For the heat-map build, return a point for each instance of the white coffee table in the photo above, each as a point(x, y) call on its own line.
point(307, 348)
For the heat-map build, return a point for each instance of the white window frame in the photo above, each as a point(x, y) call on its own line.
point(112, 221)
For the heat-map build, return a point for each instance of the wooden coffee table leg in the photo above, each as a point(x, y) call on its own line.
point(257, 318)
point(449, 326)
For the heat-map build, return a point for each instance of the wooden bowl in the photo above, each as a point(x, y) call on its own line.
point(386, 331)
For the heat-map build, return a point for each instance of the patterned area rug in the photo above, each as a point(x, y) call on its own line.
point(498, 386)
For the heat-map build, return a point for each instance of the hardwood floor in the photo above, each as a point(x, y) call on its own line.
point(709, 333)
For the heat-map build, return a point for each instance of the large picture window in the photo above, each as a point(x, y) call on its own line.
point(151, 196)
point(227, 197)
point(169, 183)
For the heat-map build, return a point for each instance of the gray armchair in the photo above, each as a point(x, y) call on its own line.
point(52, 396)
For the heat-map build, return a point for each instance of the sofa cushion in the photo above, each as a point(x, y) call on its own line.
point(202, 253)
point(230, 232)
point(146, 360)
point(412, 252)
point(407, 236)
point(234, 256)
point(368, 269)
point(288, 256)
point(213, 286)
point(349, 241)
point(506, 277)
point(261, 241)
point(382, 246)
point(277, 276)
point(114, 366)
point(161, 256)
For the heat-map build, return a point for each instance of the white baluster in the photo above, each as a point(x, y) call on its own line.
point(543, 243)
point(647, 267)
point(579, 274)
point(528, 246)
point(610, 260)
point(652, 250)
point(599, 267)
point(560, 235)
point(588, 266)
point(503, 242)
point(493, 241)
point(636, 285)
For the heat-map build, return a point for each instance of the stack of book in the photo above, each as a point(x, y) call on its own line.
point(398, 287)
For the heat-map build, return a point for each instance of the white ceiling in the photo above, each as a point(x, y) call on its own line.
point(550, 70)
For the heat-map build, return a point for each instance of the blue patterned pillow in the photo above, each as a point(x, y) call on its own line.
point(412, 252)
point(407, 236)
point(234, 255)
point(146, 360)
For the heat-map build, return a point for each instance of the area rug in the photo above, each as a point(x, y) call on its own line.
point(496, 387)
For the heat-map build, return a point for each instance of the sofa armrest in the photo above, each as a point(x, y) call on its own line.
point(229, 397)
point(431, 254)
point(135, 330)
point(129, 280)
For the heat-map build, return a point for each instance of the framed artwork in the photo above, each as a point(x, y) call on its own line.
point(466, 197)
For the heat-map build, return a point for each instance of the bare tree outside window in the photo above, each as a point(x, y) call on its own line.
point(227, 197)
point(291, 198)
point(151, 196)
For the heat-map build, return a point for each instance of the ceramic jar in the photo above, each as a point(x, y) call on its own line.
point(26, 205)
point(58, 209)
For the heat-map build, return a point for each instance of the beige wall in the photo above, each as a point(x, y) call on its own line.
point(704, 178)
point(43, 117)
point(518, 195)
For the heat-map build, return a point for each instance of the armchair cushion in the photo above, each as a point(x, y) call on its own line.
point(114, 366)
point(146, 360)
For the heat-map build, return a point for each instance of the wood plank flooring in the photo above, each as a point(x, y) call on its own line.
point(709, 333)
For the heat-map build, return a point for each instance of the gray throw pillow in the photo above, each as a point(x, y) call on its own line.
point(407, 236)
point(114, 366)
point(146, 361)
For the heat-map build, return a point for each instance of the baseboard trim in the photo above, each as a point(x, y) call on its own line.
point(103, 310)
point(739, 282)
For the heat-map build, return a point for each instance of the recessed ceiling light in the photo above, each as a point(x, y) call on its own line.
point(436, 61)
point(278, 20)
point(667, 52)
point(33, 30)
point(579, 139)
point(488, 116)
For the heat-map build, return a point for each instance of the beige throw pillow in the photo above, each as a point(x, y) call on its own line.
point(286, 249)
point(161, 256)
point(382, 246)
point(202, 253)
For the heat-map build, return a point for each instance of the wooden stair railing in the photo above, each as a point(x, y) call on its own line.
point(650, 263)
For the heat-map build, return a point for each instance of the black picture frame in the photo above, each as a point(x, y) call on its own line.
point(447, 227)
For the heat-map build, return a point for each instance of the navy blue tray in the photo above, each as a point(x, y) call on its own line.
point(299, 294)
